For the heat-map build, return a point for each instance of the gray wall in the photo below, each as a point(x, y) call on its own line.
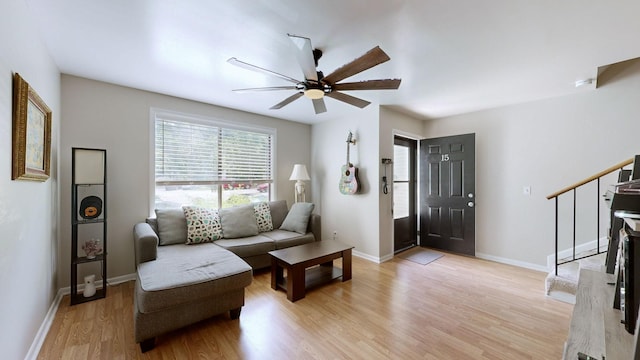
point(116, 118)
point(28, 210)
point(354, 217)
point(547, 145)
point(392, 123)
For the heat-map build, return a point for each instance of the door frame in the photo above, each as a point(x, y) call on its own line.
point(390, 236)
point(413, 145)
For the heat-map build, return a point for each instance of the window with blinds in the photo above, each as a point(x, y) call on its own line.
point(210, 164)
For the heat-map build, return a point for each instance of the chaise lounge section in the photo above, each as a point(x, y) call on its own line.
point(181, 282)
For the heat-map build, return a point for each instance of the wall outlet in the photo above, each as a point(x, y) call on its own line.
point(335, 235)
point(526, 190)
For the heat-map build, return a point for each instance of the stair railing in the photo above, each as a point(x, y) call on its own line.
point(572, 188)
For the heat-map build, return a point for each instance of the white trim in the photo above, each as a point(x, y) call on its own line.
point(208, 120)
point(407, 135)
point(591, 245)
point(517, 263)
point(386, 258)
point(498, 259)
point(152, 163)
point(411, 136)
point(110, 282)
point(374, 259)
point(41, 335)
point(121, 279)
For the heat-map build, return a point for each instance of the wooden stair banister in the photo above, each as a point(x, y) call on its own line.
point(572, 188)
point(591, 178)
point(595, 327)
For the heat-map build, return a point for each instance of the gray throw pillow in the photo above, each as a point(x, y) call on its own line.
point(238, 222)
point(298, 218)
point(172, 226)
point(278, 212)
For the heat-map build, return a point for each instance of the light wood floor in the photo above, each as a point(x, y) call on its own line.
point(454, 308)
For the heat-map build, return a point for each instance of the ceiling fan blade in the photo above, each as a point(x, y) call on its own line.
point(370, 59)
point(248, 66)
point(351, 100)
point(270, 88)
point(319, 106)
point(386, 84)
point(286, 101)
point(304, 54)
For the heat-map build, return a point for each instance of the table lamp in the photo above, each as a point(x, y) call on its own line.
point(299, 174)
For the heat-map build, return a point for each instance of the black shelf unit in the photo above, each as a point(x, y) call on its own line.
point(88, 179)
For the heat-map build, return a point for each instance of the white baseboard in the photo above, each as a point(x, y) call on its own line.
point(518, 263)
point(121, 279)
point(502, 260)
point(551, 259)
point(377, 260)
point(366, 256)
point(41, 335)
point(386, 258)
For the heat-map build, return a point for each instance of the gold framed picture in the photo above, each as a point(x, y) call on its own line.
point(31, 148)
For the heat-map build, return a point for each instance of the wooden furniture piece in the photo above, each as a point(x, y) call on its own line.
point(623, 196)
point(628, 270)
point(595, 328)
point(88, 217)
point(298, 260)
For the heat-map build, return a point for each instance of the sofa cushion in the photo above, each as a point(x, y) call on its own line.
point(248, 246)
point(238, 222)
point(298, 218)
point(203, 225)
point(278, 212)
point(185, 273)
point(172, 226)
point(284, 239)
point(263, 216)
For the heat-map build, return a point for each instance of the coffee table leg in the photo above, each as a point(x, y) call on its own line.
point(346, 265)
point(276, 274)
point(295, 283)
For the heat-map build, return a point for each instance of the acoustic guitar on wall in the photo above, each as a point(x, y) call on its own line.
point(349, 174)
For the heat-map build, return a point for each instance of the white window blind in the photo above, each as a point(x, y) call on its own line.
point(195, 153)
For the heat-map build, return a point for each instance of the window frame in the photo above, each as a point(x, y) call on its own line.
point(155, 113)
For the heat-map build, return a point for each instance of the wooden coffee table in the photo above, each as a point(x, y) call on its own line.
point(298, 259)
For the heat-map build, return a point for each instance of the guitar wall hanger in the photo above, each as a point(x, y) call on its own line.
point(349, 174)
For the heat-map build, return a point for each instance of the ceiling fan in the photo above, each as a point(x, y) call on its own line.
point(315, 85)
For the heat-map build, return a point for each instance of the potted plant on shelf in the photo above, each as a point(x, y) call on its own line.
point(92, 247)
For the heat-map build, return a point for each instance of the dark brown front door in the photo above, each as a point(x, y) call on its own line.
point(447, 193)
point(404, 193)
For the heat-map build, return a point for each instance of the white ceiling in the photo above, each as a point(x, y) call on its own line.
point(454, 56)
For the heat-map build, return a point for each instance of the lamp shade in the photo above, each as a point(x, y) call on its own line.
point(299, 173)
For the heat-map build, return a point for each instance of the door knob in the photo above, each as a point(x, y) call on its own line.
point(470, 204)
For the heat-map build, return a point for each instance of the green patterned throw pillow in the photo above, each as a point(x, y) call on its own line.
point(263, 216)
point(203, 225)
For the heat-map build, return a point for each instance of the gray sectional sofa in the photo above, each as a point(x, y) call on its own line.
point(193, 264)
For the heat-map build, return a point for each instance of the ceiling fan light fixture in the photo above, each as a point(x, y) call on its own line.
point(316, 86)
point(314, 94)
